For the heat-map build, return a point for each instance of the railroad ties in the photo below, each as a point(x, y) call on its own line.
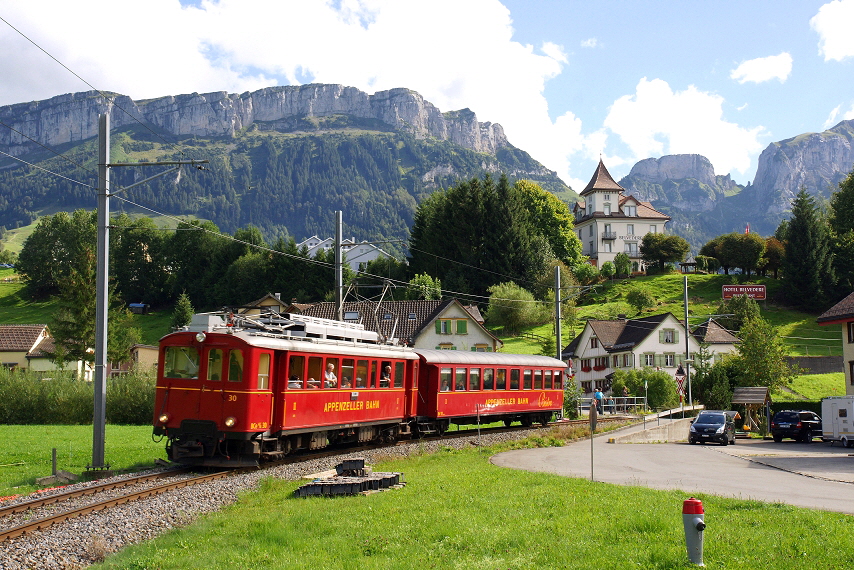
point(351, 477)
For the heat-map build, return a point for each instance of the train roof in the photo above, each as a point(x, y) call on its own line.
point(433, 356)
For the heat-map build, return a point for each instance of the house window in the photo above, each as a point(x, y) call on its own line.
point(591, 247)
point(653, 229)
point(594, 342)
point(607, 197)
point(606, 247)
point(851, 372)
point(649, 360)
point(668, 336)
point(387, 317)
point(669, 360)
point(607, 209)
point(412, 316)
point(445, 346)
point(631, 211)
point(351, 315)
point(632, 249)
point(627, 360)
point(443, 326)
point(462, 326)
point(590, 230)
point(587, 387)
point(630, 229)
point(851, 332)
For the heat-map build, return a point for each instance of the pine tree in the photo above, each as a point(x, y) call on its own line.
point(807, 273)
point(183, 313)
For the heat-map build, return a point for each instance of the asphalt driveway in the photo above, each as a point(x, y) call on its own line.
point(816, 475)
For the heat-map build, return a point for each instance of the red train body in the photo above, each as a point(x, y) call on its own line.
point(232, 393)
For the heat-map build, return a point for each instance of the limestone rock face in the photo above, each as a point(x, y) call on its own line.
point(675, 167)
point(74, 117)
point(815, 161)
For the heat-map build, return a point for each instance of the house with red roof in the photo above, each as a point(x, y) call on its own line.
point(29, 347)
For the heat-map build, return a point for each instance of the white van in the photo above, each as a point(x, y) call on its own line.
point(837, 413)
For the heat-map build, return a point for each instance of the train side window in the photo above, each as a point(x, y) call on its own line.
point(373, 380)
point(385, 374)
point(181, 362)
point(296, 371)
point(526, 378)
point(548, 385)
point(315, 372)
point(445, 380)
point(215, 364)
point(398, 374)
point(235, 365)
point(488, 379)
point(558, 380)
point(361, 374)
point(474, 379)
point(500, 379)
point(264, 371)
point(348, 367)
point(538, 379)
point(461, 379)
point(331, 372)
point(514, 379)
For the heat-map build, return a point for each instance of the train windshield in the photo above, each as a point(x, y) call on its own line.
point(181, 362)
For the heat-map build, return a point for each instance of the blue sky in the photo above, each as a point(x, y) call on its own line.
point(569, 81)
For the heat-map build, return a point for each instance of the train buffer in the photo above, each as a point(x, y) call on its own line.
point(351, 478)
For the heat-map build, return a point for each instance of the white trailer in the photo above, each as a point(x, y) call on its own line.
point(837, 418)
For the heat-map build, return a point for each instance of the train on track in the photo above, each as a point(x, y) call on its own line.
point(234, 390)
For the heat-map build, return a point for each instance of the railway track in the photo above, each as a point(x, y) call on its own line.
point(40, 503)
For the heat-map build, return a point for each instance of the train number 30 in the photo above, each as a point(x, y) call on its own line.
point(232, 397)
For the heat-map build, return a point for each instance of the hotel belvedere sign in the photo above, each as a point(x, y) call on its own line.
point(753, 291)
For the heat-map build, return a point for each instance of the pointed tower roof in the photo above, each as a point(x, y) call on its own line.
point(601, 181)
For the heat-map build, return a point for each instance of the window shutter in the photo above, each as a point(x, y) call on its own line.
point(462, 326)
point(453, 348)
point(438, 327)
point(474, 349)
point(675, 336)
point(661, 337)
point(680, 358)
point(659, 360)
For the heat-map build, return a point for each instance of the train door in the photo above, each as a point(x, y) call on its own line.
point(412, 387)
point(212, 391)
point(280, 382)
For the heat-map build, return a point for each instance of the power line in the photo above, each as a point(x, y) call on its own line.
point(48, 171)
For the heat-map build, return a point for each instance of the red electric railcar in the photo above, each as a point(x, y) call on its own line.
point(232, 390)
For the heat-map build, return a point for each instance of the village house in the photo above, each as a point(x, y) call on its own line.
point(842, 313)
point(29, 347)
point(357, 254)
point(608, 223)
point(656, 341)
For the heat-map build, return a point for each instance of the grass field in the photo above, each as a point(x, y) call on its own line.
point(460, 511)
point(26, 452)
point(813, 387)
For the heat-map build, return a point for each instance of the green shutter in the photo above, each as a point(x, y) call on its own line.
point(661, 337)
point(675, 336)
point(462, 326)
point(453, 347)
point(659, 360)
point(438, 327)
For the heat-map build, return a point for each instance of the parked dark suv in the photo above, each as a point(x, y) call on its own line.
point(712, 425)
point(801, 425)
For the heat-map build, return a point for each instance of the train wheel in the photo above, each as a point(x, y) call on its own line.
point(544, 420)
point(527, 421)
point(507, 423)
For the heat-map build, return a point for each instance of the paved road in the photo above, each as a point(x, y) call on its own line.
point(816, 475)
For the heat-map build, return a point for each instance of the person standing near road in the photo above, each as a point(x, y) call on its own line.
point(598, 395)
point(625, 399)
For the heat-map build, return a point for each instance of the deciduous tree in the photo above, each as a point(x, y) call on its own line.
point(658, 249)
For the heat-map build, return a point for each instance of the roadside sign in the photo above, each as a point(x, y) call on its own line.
point(753, 291)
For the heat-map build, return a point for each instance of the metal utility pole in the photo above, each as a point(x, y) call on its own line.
point(687, 354)
point(102, 278)
point(339, 263)
point(557, 314)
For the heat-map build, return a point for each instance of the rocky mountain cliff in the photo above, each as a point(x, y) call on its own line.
point(281, 158)
point(704, 205)
point(74, 117)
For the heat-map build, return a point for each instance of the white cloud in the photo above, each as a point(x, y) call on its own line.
point(836, 116)
point(833, 23)
point(590, 43)
point(656, 121)
point(764, 69)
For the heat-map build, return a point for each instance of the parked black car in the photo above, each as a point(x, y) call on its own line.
point(712, 425)
point(801, 425)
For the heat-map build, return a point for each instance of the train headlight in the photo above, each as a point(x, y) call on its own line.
point(230, 421)
point(163, 418)
point(200, 336)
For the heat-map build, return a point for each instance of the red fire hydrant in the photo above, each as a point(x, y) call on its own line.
point(694, 523)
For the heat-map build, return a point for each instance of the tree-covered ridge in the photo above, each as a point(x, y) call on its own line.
point(284, 179)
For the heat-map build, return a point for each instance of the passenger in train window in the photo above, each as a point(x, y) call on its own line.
point(294, 382)
point(385, 378)
point(345, 382)
point(330, 377)
point(313, 384)
point(446, 386)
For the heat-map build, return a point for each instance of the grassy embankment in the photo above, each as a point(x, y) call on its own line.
point(460, 511)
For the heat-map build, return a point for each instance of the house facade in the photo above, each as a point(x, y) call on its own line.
point(842, 313)
point(29, 347)
point(656, 341)
point(608, 222)
point(357, 254)
point(446, 325)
